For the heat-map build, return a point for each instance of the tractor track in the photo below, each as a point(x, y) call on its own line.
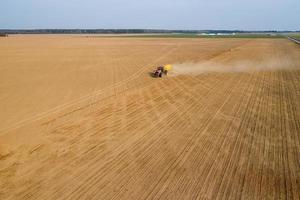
point(201, 136)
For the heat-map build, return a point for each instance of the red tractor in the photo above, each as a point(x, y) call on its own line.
point(159, 71)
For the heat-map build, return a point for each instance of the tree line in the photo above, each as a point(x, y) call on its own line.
point(121, 31)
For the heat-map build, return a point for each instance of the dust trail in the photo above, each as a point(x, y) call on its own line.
point(233, 67)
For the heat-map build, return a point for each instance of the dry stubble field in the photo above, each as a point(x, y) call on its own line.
point(81, 118)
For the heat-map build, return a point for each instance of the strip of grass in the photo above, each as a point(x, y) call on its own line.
point(296, 36)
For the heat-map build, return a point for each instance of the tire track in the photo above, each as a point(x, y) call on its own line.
point(87, 97)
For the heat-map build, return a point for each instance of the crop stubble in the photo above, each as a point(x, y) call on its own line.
point(191, 136)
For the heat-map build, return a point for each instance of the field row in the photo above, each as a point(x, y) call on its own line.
point(192, 136)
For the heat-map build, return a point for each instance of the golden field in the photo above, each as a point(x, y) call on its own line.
point(81, 118)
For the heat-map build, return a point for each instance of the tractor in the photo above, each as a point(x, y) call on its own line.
point(161, 70)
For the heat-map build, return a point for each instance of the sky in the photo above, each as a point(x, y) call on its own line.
point(151, 14)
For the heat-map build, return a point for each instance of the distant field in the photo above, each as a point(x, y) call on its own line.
point(203, 36)
point(81, 118)
point(145, 35)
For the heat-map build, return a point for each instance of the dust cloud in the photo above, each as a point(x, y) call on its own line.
point(233, 67)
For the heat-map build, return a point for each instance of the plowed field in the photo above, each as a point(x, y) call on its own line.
point(81, 118)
